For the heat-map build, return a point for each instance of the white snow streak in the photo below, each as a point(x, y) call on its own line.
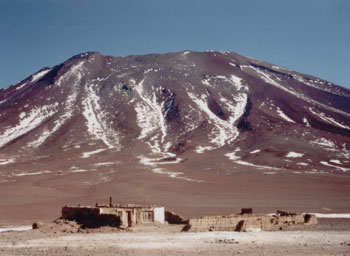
point(177, 175)
point(7, 161)
point(97, 120)
point(232, 64)
point(268, 79)
point(335, 161)
point(150, 117)
point(30, 173)
point(88, 154)
point(284, 116)
point(75, 73)
point(224, 131)
point(302, 164)
point(159, 161)
point(21, 86)
point(32, 120)
point(39, 75)
point(329, 119)
point(324, 142)
point(35, 78)
point(335, 166)
point(254, 165)
point(106, 164)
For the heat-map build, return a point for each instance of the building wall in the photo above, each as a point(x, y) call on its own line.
point(159, 215)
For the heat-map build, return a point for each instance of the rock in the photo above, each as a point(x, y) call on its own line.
point(37, 225)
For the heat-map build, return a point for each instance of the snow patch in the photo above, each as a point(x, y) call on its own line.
point(79, 171)
point(88, 154)
point(32, 120)
point(30, 173)
point(76, 73)
point(294, 154)
point(270, 173)
point(335, 166)
point(232, 156)
point(329, 120)
point(39, 75)
point(284, 116)
point(202, 149)
point(106, 164)
point(21, 86)
point(306, 122)
point(150, 118)
point(158, 161)
point(232, 64)
point(336, 161)
point(97, 120)
point(233, 80)
point(255, 151)
point(224, 131)
point(7, 161)
point(177, 175)
point(302, 164)
point(267, 77)
point(21, 228)
point(257, 166)
point(330, 145)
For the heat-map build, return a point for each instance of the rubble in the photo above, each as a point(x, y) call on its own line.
point(173, 218)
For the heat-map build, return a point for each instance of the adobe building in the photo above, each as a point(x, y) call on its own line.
point(119, 215)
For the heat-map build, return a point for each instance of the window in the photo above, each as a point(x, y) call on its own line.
point(147, 217)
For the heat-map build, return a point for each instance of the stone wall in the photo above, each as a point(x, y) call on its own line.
point(248, 222)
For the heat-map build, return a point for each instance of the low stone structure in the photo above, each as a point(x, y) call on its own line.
point(249, 222)
point(127, 215)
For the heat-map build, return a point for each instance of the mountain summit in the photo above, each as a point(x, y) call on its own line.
point(173, 114)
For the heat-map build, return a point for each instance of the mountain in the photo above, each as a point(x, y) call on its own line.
point(171, 108)
point(179, 117)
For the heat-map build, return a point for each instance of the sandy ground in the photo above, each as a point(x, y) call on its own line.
point(41, 197)
point(330, 237)
point(170, 243)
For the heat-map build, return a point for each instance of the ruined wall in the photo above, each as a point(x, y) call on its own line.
point(247, 222)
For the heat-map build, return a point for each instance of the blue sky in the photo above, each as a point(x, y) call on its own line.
point(310, 36)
